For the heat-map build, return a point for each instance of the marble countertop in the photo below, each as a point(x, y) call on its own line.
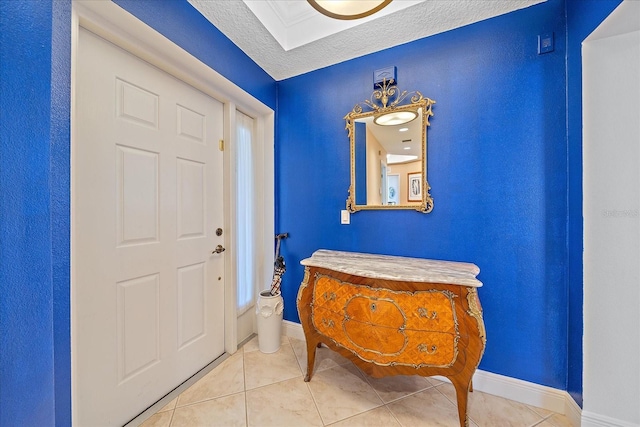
point(396, 268)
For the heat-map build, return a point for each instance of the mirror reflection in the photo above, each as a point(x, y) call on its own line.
point(388, 152)
point(385, 157)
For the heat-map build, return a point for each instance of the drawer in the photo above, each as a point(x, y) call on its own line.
point(428, 310)
point(384, 345)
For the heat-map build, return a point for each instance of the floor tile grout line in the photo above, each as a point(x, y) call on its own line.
point(246, 409)
point(244, 388)
point(314, 401)
point(364, 377)
point(544, 418)
point(278, 381)
point(393, 414)
point(413, 393)
point(430, 385)
point(275, 382)
point(368, 378)
point(533, 411)
point(539, 422)
point(304, 374)
point(455, 404)
point(354, 415)
point(207, 400)
point(447, 397)
point(528, 407)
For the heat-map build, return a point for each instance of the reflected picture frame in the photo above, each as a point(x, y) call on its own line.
point(414, 187)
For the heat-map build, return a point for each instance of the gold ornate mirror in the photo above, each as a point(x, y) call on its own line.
point(389, 151)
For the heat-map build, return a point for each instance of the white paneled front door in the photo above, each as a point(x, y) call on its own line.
point(148, 293)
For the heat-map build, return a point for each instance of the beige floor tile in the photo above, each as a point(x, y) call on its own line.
point(325, 358)
point(544, 413)
point(379, 417)
point(427, 408)
point(227, 411)
point(169, 406)
point(263, 369)
point(557, 420)
point(251, 345)
point(339, 395)
point(435, 381)
point(287, 403)
point(254, 344)
point(488, 410)
point(161, 419)
point(223, 380)
point(399, 386)
point(342, 392)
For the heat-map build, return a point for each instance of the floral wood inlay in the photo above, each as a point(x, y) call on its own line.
point(387, 327)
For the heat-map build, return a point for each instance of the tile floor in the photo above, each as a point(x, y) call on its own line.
point(251, 388)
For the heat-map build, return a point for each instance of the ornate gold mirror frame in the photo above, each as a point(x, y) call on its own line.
point(387, 101)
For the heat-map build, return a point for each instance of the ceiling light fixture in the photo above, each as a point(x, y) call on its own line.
point(348, 9)
point(395, 118)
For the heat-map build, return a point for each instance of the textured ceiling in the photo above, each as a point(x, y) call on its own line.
point(237, 21)
point(296, 23)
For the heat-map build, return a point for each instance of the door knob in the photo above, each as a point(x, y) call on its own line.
point(218, 250)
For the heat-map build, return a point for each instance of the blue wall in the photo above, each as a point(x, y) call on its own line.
point(26, 293)
point(35, 63)
point(583, 16)
point(185, 26)
point(497, 151)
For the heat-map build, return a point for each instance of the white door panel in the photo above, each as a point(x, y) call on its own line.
point(148, 179)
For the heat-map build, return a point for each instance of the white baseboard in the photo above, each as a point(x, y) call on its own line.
point(572, 410)
point(521, 391)
point(510, 388)
point(589, 419)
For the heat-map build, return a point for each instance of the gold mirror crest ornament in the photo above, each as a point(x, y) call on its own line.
point(386, 112)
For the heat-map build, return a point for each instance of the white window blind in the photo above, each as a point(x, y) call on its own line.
point(245, 220)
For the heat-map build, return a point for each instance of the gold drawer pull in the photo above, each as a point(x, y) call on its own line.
point(423, 312)
point(423, 348)
point(329, 296)
point(328, 323)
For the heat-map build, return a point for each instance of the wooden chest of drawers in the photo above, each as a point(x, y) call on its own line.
point(394, 315)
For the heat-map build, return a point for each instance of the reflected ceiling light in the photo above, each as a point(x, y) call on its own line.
point(395, 118)
point(348, 9)
point(400, 158)
point(403, 129)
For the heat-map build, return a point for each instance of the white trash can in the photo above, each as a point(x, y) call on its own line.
point(269, 312)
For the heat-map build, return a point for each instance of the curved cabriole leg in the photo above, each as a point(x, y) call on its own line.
point(462, 394)
point(311, 359)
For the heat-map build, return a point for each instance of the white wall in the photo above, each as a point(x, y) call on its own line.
point(611, 180)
